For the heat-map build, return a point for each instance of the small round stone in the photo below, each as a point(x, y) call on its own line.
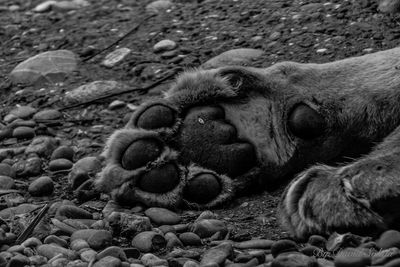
point(63, 152)
point(79, 244)
point(42, 186)
point(108, 261)
point(53, 239)
point(317, 240)
point(164, 45)
point(148, 241)
point(7, 170)
point(48, 114)
point(72, 212)
point(208, 227)
point(6, 182)
point(190, 239)
point(113, 251)
point(23, 132)
point(389, 239)
point(23, 112)
point(97, 239)
point(282, 246)
point(162, 216)
point(352, 257)
point(31, 242)
point(60, 165)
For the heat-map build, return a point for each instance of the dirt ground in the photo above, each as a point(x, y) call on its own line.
point(299, 30)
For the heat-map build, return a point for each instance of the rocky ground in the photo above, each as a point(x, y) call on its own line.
point(109, 56)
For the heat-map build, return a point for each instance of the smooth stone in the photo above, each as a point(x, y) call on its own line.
point(113, 251)
point(393, 263)
point(294, 259)
point(389, 239)
point(6, 182)
point(60, 165)
point(389, 6)
point(384, 256)
point(282, 246)
point(217, 255)
point(87, 255)
point(48, 67)
point(63, 152)
point(116, 57)
point(240, 56)
point(28, 168)
point(190, 239)
point(208, 227)
point(37, 260)
point(108, 261)
point(47, 115)
point(116, 104)
point(150, 260)
point(31, 242)
point(82, 170)
point(148, 241)
point(23, 132)
point(79, 244)
point(20, 209)
point(18, 261)
point(97, 239)
point(164, 45)
point(158, 6)
point(42, 146)
point(42, 186)
point(51, 250)
point(56, 240)
point(352, 257)
point(23, 112)
point(7, 170)
point(162, 216)
point(93, 90)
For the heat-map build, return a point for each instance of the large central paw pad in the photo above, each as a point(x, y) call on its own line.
point(168, 157)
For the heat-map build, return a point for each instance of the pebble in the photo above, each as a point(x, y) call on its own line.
point(93, 90)
point(51, 250)
point(87, 255)
point(60, 165)
point(389, 6)
point(97, 239)
point(208, 227)
point(18, 260)
point(48, 67)
point(149, 259)
point(47, 115)
point(190, 239)
point(217, 255)
point(352, 257)
point(108, 261)
point(116, 104)
point(7, 170)
point(82, 170)
point(389, 239)
point(294, 259)
point(158, 6)
point(43, 7)
point(31, 242)
point(239, 56)
point(23, 132)
point(161, 216)
point(113, 251)
point(116, 57)
point(42, 146)
point(6, 182)
point(63, 152)
point(172, 240)
point(28, 168)
point(384, 256)
point(164, 45)
point(148, 241)
point(23, 112)
point(20, 209)
point(42, 186)
point(282, 246)
point(79, 244)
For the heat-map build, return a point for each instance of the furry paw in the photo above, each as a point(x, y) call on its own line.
point(168, 157)
point(361, 197)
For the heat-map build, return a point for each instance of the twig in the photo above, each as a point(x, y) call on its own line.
point(140, 90)
point(119, 39)
point(28, 230)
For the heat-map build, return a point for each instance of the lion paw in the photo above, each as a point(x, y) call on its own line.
point(168, 157)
